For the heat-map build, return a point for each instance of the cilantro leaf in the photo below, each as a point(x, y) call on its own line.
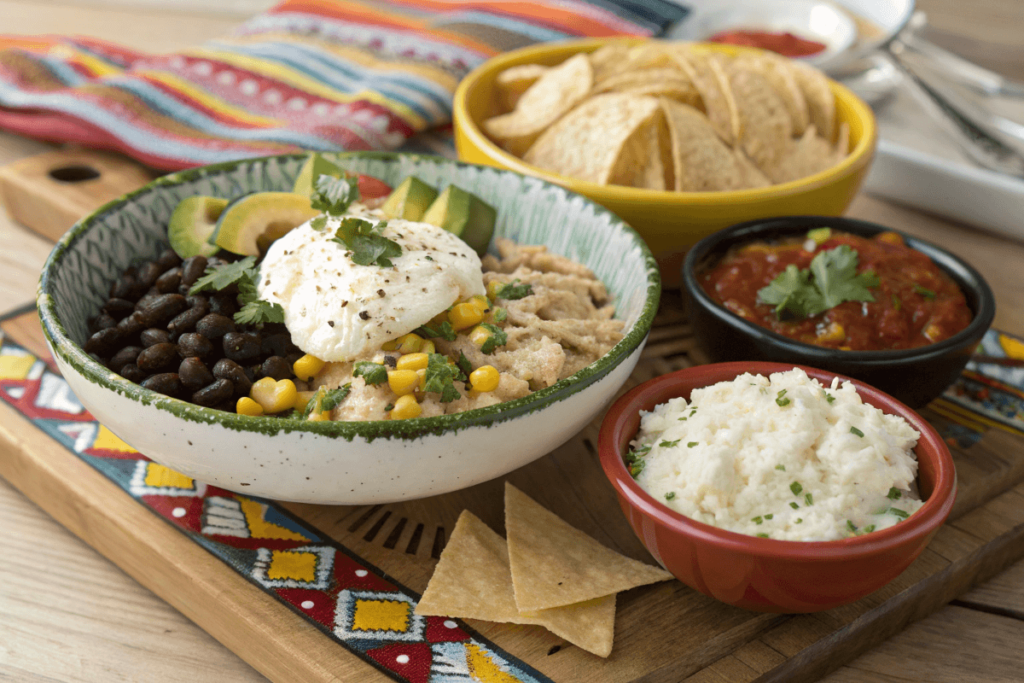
point(465, 366)
point(497, 338)
point(831, 280)
point(372, 373)
point(333, 195)
point(319, 223)
point(254, 310)
point(365, 241)
point(440, 378)
point(444, 331)
point(333, 397)
point(512, 291)
point(500, 315)
point(222, 277)
point(312, 403)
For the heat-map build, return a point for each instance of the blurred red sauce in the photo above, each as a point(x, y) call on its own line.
point(784, 43)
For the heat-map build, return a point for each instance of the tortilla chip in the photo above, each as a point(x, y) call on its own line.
point(809, 155)
point(781, 77)
point(701, 161)
point(472, 580)
point(587, 143)
point(625, 60)
point(554, 564)
point(557, 91)
point(514, 81)
point(709, 78)
point(821, 103)
point(766, 125)
point(607, 60)
point(842, 142)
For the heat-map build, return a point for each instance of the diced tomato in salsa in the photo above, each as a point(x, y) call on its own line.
point(372, 188)
point(915, 304)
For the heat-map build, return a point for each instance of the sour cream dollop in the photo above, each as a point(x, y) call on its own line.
point(340, 311)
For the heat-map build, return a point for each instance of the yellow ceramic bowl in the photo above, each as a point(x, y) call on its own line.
point(670, 221)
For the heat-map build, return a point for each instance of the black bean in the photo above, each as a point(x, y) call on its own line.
point(131, 325)
point(125, 287)
point(215, 262)
point(194, 374)
point(241, 346)
point(194, 300)
point(149, 272)
point(224, 304)
point(168, 259)
point(275, 344)
point(218, 392)
point(277, 367)
point(154, 336)
point(162, 308)
point(133, 373)
point(293, 356)
point(227, 406)
point(192, 269)
point(127, 355)
point(169, 281)
point(215, 325)
point(103, 321)
point(103, 342)
point(226, 368)
point(157, 357)
point(164, 383)
point(118, 308)
point(132, 272)
point(192, 344)
point(186, 320)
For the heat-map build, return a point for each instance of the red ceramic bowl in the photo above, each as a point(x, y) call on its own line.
point(764, 574)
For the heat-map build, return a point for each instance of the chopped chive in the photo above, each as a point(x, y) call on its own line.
point(795, 506)
point(692, 412)
point(896, 303)
point(781, 468)
point(756, 520)
point(682, 419)
point(850, 526)
point(762, 535)
point(669, 444)
point(869, 528)
point(637, 468)
point(799, 520)
point(796, 488)
point(783, 393)
point(894, 494)
point(809, 499)
point(854, 430)
point(829, 397)
point(924, 291)
point(769, 516)
point(899, 513)
point(670, 495)
point(783, 402)
point(691, 444)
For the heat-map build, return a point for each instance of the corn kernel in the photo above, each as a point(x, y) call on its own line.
point(406, 408)
point(409, 343)
point(465, 315)
point(484, 378)
point(389, 346)
point(428, 347)
point(890, 238)
point(247, 406)
point(302, 399)
point(422, 375)
point(441, 317)
point(315, 416)
point(833, 333)
point(480, 335)
point(480, 302)
point(403, 382)
point(492, 288)
point(412, 361)
point(932, 332)
point(307, 366)
point(274, 395)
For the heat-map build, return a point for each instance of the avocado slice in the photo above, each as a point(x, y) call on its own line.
point(192, 224)
point(410, 200)
point(464, 214)
point(314, 167)
point(250, 224)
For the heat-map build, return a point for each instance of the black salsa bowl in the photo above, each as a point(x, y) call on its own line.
point(914, 376)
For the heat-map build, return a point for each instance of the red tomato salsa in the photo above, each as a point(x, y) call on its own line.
point(785, 43)
point(915, 302)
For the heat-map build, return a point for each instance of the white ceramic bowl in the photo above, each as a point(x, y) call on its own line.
point(346, 463)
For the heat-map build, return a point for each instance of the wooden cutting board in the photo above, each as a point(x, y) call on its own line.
point(665, 632)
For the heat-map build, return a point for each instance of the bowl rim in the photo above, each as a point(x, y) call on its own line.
point(927, 519)
point(488, 70)
point(750, 231)
point(74, 355)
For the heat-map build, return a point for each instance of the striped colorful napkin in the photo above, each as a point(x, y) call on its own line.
point(308, 74)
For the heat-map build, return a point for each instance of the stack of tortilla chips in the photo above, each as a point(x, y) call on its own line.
point(548, 573)
point(671, 116)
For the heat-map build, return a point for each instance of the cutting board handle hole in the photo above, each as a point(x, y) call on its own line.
point(74, 174)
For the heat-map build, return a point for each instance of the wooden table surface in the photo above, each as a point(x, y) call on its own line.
point(67, 614)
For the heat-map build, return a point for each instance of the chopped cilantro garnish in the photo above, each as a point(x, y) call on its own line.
point(372, 373)
point(636, 468)
point(333, 398)
point(670, 495)
point(796, 488)
point(333, 195)
point(850, 526)
point(829, 397)
point(669, 444)
point(924, 291)
point(440, 377)
point(389, 407)
point(221, 277)
point(756, 520)
point(781, 468)
point(799, 520)
point(512, 291)
point(769, 516)
point(762, 535)
point(691, 444)
point(902, 514)
point(444, 331)
point(868, 529)
point(809, 499)
point(245, 275)
point(364, 239)
point(794, 506)
point(497, 338)
point(831, 280)
point(856, 432)
point(894, 494)
point(464, 366)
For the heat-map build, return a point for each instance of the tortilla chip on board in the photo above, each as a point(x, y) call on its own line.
point(588, 142)
point(709, 78)
point(554, 564)
point(765, 124)
point(701, 161)
point(777, 72)
point(514, 81)
point(472, 580)
point(554, 93)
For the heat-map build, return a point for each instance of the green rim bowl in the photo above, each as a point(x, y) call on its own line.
point(344, 462)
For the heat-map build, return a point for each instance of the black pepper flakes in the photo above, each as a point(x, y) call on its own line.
point(364, 315)
point(344, 304)
point(331, 323)
point(380, 293)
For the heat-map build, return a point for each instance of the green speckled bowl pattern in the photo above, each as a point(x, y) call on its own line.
point(344, 462)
